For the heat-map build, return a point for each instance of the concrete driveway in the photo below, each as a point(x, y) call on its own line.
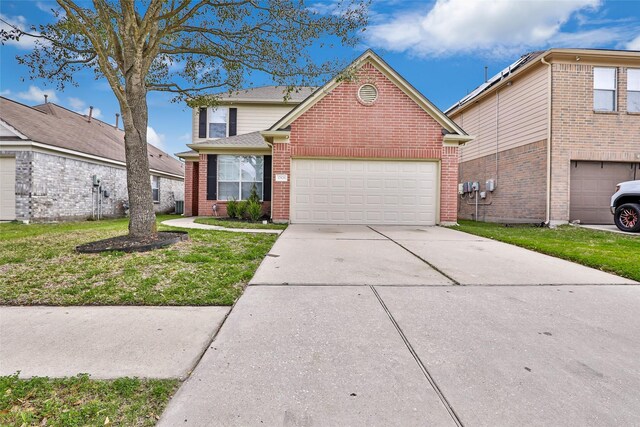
point(406, 326)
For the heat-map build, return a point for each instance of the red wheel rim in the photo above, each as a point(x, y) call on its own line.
point(628, 218)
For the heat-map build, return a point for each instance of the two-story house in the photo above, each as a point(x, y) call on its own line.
point(555, 132)
point(367, 149)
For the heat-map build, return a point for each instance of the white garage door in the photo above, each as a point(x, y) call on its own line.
point(7, 188)
point(363, 192)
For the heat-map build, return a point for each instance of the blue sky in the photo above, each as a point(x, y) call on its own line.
point(441, 47)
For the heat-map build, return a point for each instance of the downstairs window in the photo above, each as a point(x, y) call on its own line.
point(238, 174)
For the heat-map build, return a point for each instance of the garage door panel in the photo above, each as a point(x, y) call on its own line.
point(592, 184)
point(363, 191)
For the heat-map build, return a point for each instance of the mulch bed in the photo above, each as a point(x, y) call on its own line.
point(127, 243)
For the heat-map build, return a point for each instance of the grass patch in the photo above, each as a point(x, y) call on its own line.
point(80, 401)
point(240, 224)
point(611, 252)
point(39, 265)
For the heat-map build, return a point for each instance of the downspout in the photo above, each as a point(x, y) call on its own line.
point(497, 131)
point(549, 118)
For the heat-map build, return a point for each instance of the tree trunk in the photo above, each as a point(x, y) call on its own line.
point(142, 219)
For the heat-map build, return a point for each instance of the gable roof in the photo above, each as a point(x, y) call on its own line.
point(521, 62)
point(56, 126)
point(371, 57)
point(532, 59)
point(267, 94)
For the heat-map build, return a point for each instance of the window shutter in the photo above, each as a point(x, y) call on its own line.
point(266, 179)
point(233, 121)
point(212, 176)
point(202, 123)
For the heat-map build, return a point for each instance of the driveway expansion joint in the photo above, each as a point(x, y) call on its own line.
point(454, 281)
point(423, 368)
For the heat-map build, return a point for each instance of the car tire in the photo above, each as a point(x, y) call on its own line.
point(627, 217)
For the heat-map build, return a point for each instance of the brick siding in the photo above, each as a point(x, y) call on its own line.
point(520, 185)
point(340, 126)
point(54, 188)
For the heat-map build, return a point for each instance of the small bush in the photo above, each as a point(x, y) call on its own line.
point(242, 209)
point(232, 208)
point(254, 210)
point(253, 195)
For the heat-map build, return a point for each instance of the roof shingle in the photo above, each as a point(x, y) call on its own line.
point(55, 125)
point(268, 94)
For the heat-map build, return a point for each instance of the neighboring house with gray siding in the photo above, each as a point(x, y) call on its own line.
point(49, 157)
point(555, 132)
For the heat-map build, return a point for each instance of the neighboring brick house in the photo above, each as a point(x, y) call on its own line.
point(365, 150)
point(556, 131)
point(50, 155)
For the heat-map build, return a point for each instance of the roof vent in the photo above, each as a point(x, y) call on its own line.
point(368, 93)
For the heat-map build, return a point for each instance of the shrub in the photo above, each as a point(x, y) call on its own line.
point(254, 210)
point(241, 209)
point(232, 208)
point(253, 195)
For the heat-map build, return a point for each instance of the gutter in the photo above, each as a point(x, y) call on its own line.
point(549, 119)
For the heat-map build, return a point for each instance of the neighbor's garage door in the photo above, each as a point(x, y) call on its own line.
point(363, 192)
point(592, 185)
point(7, 188)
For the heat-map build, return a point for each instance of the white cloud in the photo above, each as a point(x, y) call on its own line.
point(81, 107)
point(488, 27)
point(155, 138)
point(5, 92)
point(19, 22)
point(35, 94)
point(46, 6)
point(634, 44)
point(185, 137)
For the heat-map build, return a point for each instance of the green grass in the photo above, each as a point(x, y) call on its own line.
point(240, 224)
point(611, 252)
point(38, 265)
point(80, 401)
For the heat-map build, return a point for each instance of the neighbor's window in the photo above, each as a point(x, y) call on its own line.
point(155, 188)
point(633, 90)
point(604, 89)
point(237, 174)
point(218, 122)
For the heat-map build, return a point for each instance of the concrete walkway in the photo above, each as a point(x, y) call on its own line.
point(189, 222)
point(406, 326)
point(105, 342)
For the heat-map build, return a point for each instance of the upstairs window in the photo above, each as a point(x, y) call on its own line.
point(155, 188)
point(218, 118)
point(604, 89)
point(633, 90)
point(238, 174)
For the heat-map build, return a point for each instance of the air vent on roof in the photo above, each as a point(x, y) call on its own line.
point(368, 93)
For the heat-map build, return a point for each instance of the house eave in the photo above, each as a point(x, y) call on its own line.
point(29, 145)
point(455, 140)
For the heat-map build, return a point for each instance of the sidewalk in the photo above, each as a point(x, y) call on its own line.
point(105, 342)
point(189, 222)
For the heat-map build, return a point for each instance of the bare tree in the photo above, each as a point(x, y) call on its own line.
point(185, 47)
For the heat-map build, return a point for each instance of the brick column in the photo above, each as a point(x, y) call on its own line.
point(449, 185)
point(281, 190)
point(188, 188)
point(204, 205)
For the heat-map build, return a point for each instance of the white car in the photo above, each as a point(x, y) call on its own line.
point(625, 206)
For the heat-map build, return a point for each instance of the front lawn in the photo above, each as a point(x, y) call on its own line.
point(38, 265)
point(80, 401)
point(612, 252)
point(228, 223)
